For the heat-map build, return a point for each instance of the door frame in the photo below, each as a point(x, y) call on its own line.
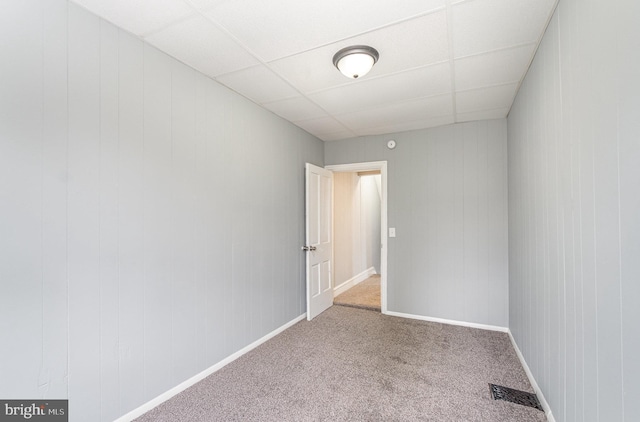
point(369, 166)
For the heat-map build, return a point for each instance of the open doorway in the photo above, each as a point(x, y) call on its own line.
point(359, 213)
point(357, 202)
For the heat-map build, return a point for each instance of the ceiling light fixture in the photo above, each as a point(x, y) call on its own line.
point(355, 61)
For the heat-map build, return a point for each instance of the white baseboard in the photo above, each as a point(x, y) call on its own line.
point(343, 287)
point(532, 380)
point(199, 377)
point(449, 321)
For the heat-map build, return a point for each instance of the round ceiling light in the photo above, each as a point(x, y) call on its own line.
point(355, 61)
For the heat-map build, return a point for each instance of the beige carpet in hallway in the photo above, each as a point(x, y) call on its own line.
point(365, 295)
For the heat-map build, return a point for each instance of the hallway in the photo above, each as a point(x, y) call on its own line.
point(365, 295)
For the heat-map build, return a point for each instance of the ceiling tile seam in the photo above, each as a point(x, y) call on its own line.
point(373, 78)
point(255, 56)
point(535, 51)
point(347, 83)
point(323, 133)
point(293, 86)
point(368, 31)
point(497, 50)
point(346, 129)
point(147, 43)
point(99, 15)
point(405, 122)
point(357, 131)
point(266, 103)
point(489, 110)
point(176, 21)
point(457, 2)
point(329, 116)
point(228, 33)
point(452, 66)
point(486, 87)
point(481, 87)
point(267, 63)
point(332, 132)
point(408, 122)
point(345, 134)
point(395, 104)
point(386, 105)
point(429, 117)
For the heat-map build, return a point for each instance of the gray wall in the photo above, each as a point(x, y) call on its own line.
point(447, 199)
point(574, 212)
point(371, 198)
point(150, 219)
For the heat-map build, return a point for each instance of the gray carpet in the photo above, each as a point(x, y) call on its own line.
point(351, 364)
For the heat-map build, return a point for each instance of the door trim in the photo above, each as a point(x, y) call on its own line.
point(382, 166)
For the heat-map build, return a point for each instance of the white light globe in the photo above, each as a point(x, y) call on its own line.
point(355, 65)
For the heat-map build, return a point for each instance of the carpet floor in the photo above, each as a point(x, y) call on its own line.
point(352, 364)
point(365, 295)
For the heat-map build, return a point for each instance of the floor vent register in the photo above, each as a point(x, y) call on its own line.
point(498, 392)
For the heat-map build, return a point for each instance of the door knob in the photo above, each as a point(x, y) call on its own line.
point(308, 248)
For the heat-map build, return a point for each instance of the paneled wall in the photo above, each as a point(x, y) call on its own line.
point(574, 212)
point(447, 200)
point(150, 219)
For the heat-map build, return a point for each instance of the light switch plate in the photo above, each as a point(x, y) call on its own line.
point(392, 232)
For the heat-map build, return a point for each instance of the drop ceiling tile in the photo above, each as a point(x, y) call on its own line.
point(498, 67)
point(198, 43)
point(483, 115)
point(139, 16)
point(484, 25)
point(420, 109)
point(314, 70)
point(370, 93)
point(205, 5)
point(279, 54)
point(337, 136)
point(406, 126)
point(258, 83)
point(322, 125)
point(278, 29)
point(295, 109)
point(490, 98)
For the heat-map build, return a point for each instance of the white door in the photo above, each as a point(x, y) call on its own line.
point(319, 246)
